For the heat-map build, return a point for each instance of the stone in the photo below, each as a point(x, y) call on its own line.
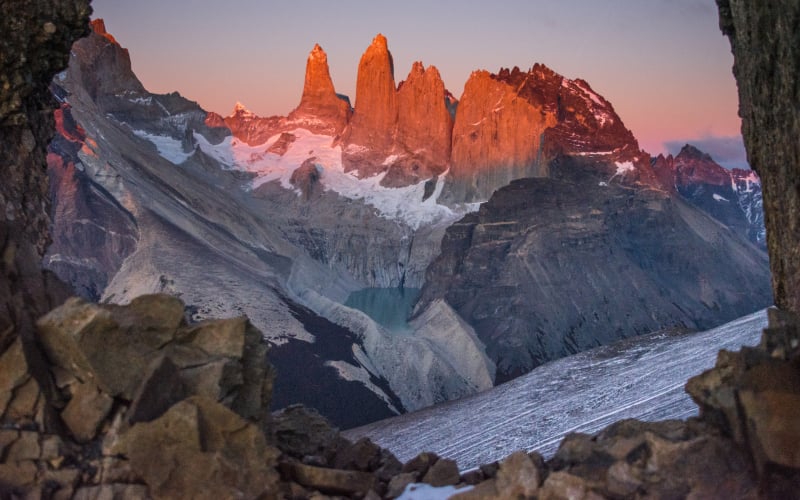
point(443, 472)
point(221, 337)
point(306, 178)
point(334, 481)
point(622, 480)
point(111, 492)
point(399, 483)
point(773, 429)
point(161, 387)
point(25, 447)
point(363, 455)
point(299, 431)
point(200, 449)
point(562, 485)
point(86, 410)
point(421, 463)
point(518, 476)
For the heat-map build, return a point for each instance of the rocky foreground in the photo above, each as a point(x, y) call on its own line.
point(137, 403)
point(134, 402)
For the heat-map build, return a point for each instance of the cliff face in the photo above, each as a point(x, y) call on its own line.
point(320, 109)
point(516, 270)
point(35, 45)
point(764, 41)
point(370, 136)
point(733, 197)
point(512, 124)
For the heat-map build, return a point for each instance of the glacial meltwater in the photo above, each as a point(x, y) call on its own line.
point(389, 307)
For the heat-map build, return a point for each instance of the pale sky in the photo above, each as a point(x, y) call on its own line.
point(663, 64)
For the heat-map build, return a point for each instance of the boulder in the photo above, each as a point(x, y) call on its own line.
point(201, 449)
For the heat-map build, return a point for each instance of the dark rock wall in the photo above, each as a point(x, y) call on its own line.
point(765, 40)
point(35, 40)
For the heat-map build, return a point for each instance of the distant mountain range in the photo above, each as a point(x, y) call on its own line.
point(525, 214)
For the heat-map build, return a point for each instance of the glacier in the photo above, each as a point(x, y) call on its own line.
point(641, 377)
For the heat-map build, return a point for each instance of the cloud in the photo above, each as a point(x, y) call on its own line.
point(728, 151)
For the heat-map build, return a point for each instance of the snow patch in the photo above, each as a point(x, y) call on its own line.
point(360, 374)
point(422, 491)
point(403, 203)
point(719, 198)
point(624, 167)
point(169, 148)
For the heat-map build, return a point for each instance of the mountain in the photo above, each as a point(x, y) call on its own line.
point(285, 218)
point(731, 196)
point(553, 266)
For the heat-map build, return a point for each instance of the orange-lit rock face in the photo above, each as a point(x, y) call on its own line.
point(320, 109)
point(424, 128)
point(496, 138)
point(252, 129)
point(370, 137)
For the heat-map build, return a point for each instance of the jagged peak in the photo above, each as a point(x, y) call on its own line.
point(691, 152)
point(98, 26)
point(380, 42)
point(318, 53)
point(241, 110)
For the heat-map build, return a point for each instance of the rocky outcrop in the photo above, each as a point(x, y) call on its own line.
point(496, 138)
point(503, 268)
point(424, 128)
point(405, 132)
point(250, 128)
point(733, 197)
point(510, 125)
point(370, 136)
point(320, 110)
point(35, 45)
point(764, 42)
point(92, 233)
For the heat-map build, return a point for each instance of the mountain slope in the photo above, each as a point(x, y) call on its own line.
point(553, 266)
point(278, 218)
point(639, 378)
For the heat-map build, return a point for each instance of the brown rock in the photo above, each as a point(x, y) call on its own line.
point(622, 479)
point(370, 136)
point(320, 110)
point(111, 492)
point(306, 178)
point(363, 455)
point(399, 483)
point(333, 481)
point(301, 431)
point(421, 463)
point(161, 388)
point(86, 410)
point(562, 485)
point(773, 428)
point(444, 472)
point(200, 449)
point(518, 476)
point(282, 145)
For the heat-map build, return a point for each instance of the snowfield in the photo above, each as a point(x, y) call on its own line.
point(403, 204)
point(639, 378)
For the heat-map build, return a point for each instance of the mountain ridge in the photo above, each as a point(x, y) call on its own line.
point(262, 216)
